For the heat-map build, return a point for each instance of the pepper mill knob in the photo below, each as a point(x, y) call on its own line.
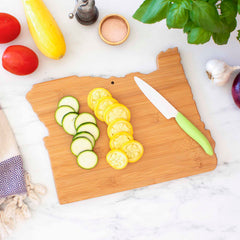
point(85, 11)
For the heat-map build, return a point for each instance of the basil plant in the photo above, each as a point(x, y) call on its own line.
point(199, 19)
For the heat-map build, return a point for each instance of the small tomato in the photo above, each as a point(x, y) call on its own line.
point(9, 28)
point(19, 60)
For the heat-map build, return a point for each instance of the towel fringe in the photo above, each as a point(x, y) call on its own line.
point(16, 208)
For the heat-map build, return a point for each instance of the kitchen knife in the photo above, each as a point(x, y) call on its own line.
point(169, 111)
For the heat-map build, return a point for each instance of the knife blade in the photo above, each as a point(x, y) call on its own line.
point(169, 111)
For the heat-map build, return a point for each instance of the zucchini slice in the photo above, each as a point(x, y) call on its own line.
point(83, 118)
point(80, 144)
point(87, 135)
point(91, 128)
point(69, 101)
point(87, 159)
point(61, 112)
point(68, 123)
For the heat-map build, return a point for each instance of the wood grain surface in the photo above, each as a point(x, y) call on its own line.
point(169, 152)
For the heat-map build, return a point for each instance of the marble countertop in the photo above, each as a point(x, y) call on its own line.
point(205, 206)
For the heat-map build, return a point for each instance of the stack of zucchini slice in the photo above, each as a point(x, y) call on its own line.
point(83, 127)
point(124, 149)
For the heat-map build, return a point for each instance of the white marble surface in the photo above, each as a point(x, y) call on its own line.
point(205, 206)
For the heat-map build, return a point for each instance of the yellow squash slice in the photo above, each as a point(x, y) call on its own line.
point(116, 111)
point(117, 159)
point(119, 125)
point(95, 94)
point(134, 150)
point(118, 139)
point(102, 104)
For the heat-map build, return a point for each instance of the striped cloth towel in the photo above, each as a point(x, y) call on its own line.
point(16, 188)
point(12, 179)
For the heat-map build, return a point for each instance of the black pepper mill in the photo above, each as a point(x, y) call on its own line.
point(85, 11)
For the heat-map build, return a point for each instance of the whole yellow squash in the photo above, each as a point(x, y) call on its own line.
point(44, 29)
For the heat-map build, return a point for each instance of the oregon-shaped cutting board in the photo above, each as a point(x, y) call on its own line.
point(169, 153)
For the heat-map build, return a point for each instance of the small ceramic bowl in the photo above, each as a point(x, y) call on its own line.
point(114, 29)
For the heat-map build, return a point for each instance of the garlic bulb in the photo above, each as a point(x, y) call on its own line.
point(219, 72)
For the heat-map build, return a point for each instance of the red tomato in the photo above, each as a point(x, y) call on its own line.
point(9, 28)
point(19, 60)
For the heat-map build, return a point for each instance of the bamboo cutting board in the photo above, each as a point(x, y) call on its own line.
point(169, 152)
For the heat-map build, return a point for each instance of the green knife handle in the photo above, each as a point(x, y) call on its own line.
point(194, 133)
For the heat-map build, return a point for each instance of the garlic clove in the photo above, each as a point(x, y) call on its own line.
point(218, 71)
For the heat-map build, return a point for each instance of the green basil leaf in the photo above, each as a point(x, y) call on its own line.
point(205, 15)
point(229, 25)
point(187, 4)
point(228, 14)
point(238, 36)
point(177, 16)
point(152, 11)
point(212, 1)
point(238, 7)
point(198, 36)
point(188, 26)
point(228, 10)
point(221, 38)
